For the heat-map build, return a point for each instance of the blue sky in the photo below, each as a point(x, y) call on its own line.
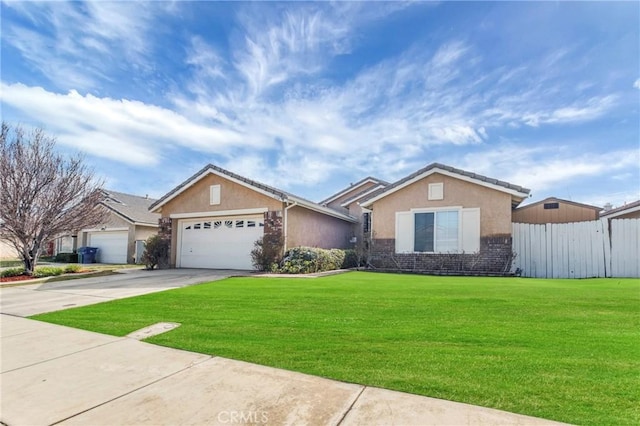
point(309, 97)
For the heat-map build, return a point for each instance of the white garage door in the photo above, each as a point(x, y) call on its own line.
point(219, 243)
point(112, 246)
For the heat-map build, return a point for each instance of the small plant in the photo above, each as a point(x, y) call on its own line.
point(156, 252)
point(266, 253)
point(47, 271)
point(72, 269)
point(12, 272)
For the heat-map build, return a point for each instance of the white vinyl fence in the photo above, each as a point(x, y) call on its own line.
point(578, 250)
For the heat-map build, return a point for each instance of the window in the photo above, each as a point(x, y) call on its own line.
point(366, 223)
point(549, 206)
point(251, 224)
point(448, 230)
point(436, 232)
point(214, 195)
point(196, 226)
point(436, 191)
point(207, 225)
point(239, 223)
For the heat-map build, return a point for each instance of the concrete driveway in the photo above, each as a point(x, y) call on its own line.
point(38, 298)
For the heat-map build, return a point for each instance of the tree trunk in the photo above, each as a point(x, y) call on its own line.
point(29, 263)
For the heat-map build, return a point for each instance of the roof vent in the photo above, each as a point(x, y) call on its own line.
point(607, 207)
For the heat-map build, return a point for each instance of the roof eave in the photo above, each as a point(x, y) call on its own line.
point(516, 195)
point(321, 209)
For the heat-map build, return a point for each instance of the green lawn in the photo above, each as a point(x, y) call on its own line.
point(567, 350)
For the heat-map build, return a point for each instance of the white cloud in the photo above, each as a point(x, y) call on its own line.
point(122, 130)
point(636, 84)
point(539, 169)
point(82, 40)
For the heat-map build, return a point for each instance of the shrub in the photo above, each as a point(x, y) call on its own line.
point(72, 269)
point(66, 257)
point(350, 259)
point(266, 252)
point(156, 252)
point(12, 272)
point(305, 260)
point(47, 271)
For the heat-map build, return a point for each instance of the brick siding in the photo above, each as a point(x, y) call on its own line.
point(494, 258)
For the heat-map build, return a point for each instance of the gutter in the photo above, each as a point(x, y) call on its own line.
point(286, 210)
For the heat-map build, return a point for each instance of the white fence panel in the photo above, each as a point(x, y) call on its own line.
point(578, 250)
point(625, 249)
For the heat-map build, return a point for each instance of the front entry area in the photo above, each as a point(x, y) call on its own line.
point(218, 242)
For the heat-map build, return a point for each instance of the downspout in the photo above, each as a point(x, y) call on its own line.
point(286, 209)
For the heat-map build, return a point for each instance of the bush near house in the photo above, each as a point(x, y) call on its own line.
point(305, 260)
point(156, 252)
point(266, 253)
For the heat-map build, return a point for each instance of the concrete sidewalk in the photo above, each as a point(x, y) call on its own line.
point(59, 375)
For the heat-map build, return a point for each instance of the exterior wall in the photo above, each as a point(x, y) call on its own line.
point(7, 250)
point(565, 213)
point(312, 229)
point(144, 232)
point(233, 196)
point(495, 257)
point(495, 253)
point(495, 206)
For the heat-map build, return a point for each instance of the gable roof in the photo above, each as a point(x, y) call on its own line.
point(352, 187)
point(619, 211)
point(363, 194)
point(560, 200)
point(132, 208)
point(267, 190)
point(518, 193)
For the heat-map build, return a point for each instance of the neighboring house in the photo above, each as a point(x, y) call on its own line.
point(121, 238)
point(348, 201)
point(555, 210)
point(628, 211)
point(7, 250)
point(443, 219)
point(214, 218)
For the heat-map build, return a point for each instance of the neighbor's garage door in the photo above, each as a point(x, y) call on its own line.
point(219, 243)
point(112, 246)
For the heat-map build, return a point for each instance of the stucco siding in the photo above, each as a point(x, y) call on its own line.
point(144, 232)
point(495, 206)
point(233, 196)
point(7, 250)
point(306, 227)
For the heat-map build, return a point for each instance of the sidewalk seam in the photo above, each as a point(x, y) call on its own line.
point(191, 365)
point(351, 406)
point(70, 353)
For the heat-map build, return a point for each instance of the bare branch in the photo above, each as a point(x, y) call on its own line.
point(42, 193)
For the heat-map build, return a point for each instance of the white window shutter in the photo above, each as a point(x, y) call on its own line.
point(470, 230)
point(215, 195)
point(404, 232)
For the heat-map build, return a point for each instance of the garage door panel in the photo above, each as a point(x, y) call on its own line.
point(219, 243)
point(112, 246)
